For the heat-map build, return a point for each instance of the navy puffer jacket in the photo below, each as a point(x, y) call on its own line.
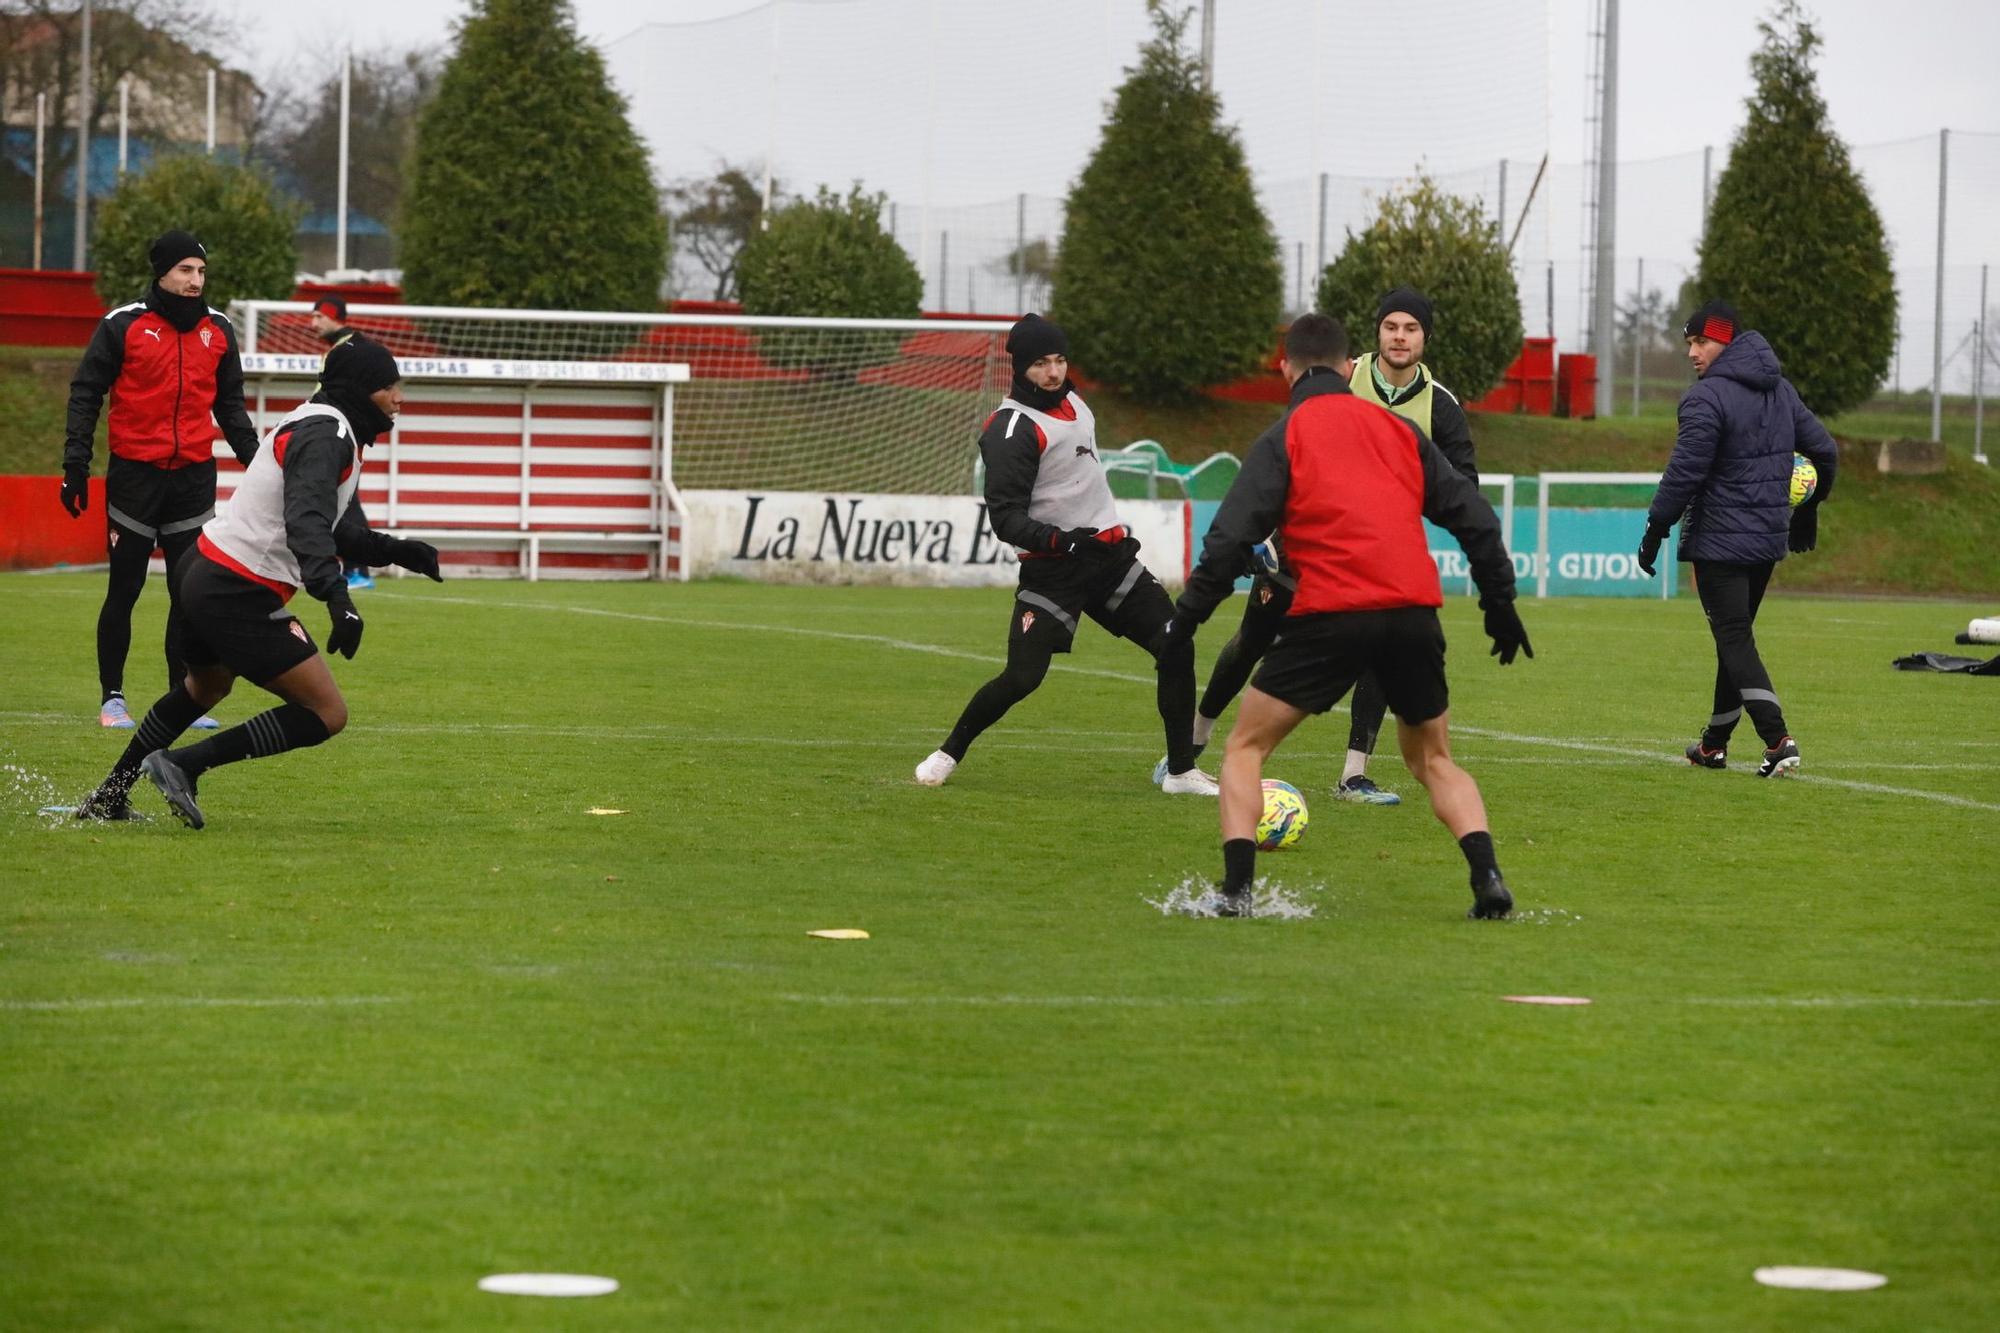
point(1730, 475)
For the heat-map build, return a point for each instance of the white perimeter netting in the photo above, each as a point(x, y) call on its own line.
point(890, 409)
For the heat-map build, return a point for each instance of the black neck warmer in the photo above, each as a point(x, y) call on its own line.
point(368, 420)
point(1042, 400)
point(183, 312)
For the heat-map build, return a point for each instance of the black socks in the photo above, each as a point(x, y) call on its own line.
point(173, 714)
point(1239, 865)
point(287, 727)
point(1478, 849)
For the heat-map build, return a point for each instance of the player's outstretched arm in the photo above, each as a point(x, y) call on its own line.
point(360, 544)
point(1255, 503)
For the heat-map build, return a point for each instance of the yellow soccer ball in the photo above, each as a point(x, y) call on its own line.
point(1805, 479)
point(1284, 817)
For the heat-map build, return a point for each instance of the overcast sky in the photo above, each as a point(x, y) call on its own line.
point(1887, 72)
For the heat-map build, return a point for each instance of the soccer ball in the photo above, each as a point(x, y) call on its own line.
point(1284, 817)
point(1805, 479)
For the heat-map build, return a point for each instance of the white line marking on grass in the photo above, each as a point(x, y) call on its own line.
point(1840, 1002)
point(200, 1002)
point(1023, 1001)
point(936, 650)
point(886, 641)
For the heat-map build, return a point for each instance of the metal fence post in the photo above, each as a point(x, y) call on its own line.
point(41, 137)
point(1021, 253)
point(82, 148)
point(1638, 338)
point(1937, 322)
point(1979, 358)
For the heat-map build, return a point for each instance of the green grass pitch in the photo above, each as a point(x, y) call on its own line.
point(406, 1014)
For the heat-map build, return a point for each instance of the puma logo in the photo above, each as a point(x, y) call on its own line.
point(1085, 451)
point(154, 334)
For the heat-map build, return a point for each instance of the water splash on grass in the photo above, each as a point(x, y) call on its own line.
point(1199, 897)
point(22, 788)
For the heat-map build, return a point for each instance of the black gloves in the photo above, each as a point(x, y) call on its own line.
point(1649, 548)
point(417, 557)
point(345, 636)
point(1504, 627)
point(1805, 527)
point(1079, 541)
point(76, 491)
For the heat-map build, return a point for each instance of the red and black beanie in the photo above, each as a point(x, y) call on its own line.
point(333, 307)
point(1716, 321)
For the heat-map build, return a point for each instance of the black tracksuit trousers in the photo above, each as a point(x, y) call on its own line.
point(1730, 595)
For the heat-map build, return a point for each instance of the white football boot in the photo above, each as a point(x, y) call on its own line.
point(1194, 782)
point(934, 770)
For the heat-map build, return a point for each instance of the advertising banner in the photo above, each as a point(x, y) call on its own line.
point(824, 537)
point(1592, 553)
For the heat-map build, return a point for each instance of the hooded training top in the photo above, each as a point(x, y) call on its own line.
point(164, 385)
point(295, 510)
point(1729, 480)
point(1346, 484)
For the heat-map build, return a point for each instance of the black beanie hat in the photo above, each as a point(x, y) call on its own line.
point(333, 307)
point(172, 248)
point(1033, 338)
point(360, 365)
point(1716, 321)
point(1408, 300)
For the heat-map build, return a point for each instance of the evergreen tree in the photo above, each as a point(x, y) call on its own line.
point(235, 213)
point(1168, 276)
point(528, 186)
point(1450, 250)
point(829, 257)
point(1793, 240)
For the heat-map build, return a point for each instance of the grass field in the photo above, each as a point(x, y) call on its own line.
point(407, 1014)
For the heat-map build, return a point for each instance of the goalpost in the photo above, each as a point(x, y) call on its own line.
point(887, 407)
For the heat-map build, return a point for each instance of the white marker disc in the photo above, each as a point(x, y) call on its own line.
point(602, 810)
point(838, 934)
point(1820, 1279)
point(1546, 999)
point(548, 1284)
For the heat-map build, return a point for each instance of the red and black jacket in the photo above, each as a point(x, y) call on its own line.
point(169, 389)
point(1345, 483)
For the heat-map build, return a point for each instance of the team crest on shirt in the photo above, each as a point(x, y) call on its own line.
point(1027, 621)
point(299, 632)
point(206, 334)
point(114, 539)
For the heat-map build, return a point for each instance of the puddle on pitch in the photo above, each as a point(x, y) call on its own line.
point(1198, 897)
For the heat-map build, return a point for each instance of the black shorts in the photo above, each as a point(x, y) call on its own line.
point(226, 620)
point(1317, 659)
point(1116, 591)
point(156, 504)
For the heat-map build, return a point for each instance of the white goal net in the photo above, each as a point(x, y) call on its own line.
point(888, 407)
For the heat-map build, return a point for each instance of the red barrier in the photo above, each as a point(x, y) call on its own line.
point(48, 307)
point(36, 532)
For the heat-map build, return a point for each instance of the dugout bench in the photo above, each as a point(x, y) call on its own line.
point(512, 468)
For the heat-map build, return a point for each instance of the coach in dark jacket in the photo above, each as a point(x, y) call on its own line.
point(1728, 484)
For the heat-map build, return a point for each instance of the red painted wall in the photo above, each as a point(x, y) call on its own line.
point(48, 307)
point(37, 532)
